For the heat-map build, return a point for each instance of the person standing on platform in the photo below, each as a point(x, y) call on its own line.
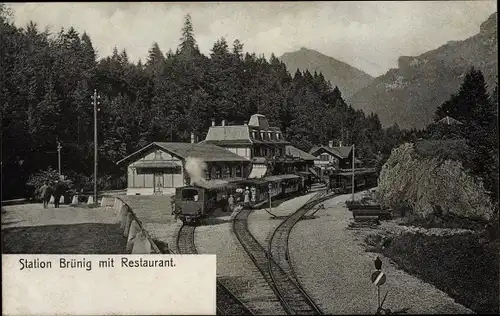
point(230, 201)
point(246, 201)
point(45, 193)
point(58, 192)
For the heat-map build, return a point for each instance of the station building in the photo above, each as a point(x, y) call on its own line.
point(159, 167)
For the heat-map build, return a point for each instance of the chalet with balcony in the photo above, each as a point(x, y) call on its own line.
point(330, 159)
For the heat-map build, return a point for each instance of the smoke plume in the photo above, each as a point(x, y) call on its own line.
point(196, 170)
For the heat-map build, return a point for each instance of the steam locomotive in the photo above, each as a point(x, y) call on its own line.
point(195, 202)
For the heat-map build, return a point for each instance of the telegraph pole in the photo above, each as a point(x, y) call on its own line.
point(353, 172)
point(59, 157)
point(95, 103)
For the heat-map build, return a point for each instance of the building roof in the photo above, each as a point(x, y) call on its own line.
point(242, 134)
point(216, 184)
point(281, 177)
point(341, 152)
point(225, 133)
point(297, 153)
point(357, 171)
point(259, 120)
point(206, 152)
point(155, 164)
point(448, 120)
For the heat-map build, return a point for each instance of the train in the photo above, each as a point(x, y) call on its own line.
point(192, 203)
point(341, 181)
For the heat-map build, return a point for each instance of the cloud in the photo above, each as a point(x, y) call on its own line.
point(367, 35)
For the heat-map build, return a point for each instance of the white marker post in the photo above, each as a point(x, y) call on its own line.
point(378, 278)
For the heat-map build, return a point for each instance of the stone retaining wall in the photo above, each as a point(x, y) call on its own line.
point(138, 239)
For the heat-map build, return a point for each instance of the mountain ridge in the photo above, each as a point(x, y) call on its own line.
point(410, 94)
point(347, 78)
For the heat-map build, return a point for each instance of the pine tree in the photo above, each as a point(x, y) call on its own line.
point(188, 46)
point(472, 92)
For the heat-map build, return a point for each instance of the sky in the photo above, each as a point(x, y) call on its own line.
point(367, 35)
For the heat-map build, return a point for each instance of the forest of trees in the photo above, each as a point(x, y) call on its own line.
point(478, 112)
point(48, 81)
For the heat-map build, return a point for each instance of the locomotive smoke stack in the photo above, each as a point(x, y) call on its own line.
point(196, 169)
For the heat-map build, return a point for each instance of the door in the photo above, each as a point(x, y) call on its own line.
point(158, 183)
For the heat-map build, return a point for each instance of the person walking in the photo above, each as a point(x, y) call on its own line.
point(45, 193)
point(58, 192)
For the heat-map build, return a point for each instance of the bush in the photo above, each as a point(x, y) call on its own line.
point(464, 266)
point(50, 175)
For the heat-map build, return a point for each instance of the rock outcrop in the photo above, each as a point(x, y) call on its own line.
point(431, 186)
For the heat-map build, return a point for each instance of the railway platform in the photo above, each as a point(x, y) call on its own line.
point(29, 228)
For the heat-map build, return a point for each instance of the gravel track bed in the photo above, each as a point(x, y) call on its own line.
point(234, 268)
point(333, 267)
point(262, 226)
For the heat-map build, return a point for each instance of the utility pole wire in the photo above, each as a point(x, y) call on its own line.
point(59, 158)
point(95, 103)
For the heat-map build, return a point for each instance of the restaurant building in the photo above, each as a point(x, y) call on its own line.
point(262, 144)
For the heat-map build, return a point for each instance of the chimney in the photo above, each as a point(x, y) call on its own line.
point(223, 122)
point(340, 143)
point(213, 122)
point(330, 143)
point(192, 138)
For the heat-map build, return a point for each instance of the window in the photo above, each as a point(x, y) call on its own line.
point(157, 154)
point(262, 135)
point(190, 195)
point(228, 172)
point(218, 173)
point(207, 175)
point(324, 157)
point(254, 134)
point(270, 135)
point(277, 136)
point(238, 171)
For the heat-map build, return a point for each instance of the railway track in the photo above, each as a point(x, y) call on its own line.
point(278, 243)
point(290, 293)
point(227, 302)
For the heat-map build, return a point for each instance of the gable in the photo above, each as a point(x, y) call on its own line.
point(337, 152)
